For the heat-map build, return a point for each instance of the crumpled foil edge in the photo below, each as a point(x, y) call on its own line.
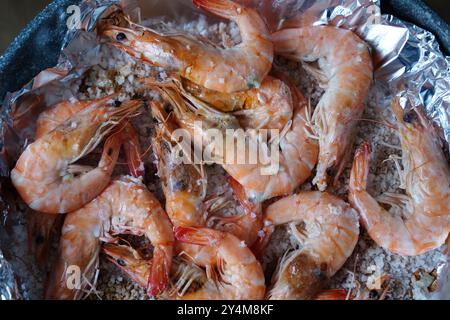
point(8, 286)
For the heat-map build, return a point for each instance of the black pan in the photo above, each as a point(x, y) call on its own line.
point(38, 46)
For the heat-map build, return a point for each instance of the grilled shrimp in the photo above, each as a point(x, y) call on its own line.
point(45, 175)
point(345, 61)
point(327, 229)
point(244, 226)
point(268, 107)
point(183, 184)
point(64, 111)
point(426, 205)
point(41, 225)
point(126, 206)
point(225, 70)
point(240, 275)
point(297, 158)
point(184, 187)
point(55, 116)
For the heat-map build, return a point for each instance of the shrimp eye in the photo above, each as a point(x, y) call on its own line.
point(121, 36)
point(331, 172)
point(407, 118)
point(121, 263)
point(39, 239)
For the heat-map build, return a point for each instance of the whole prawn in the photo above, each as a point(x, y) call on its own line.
point(246, 225)
point(345, 62)
point(225, 70)
point(268, 107)
point(298, 154)
point(240, 275)
point(46, 176)
point(426, 177)
point(55, 116)
point(184, 187)
point(126, 206)
point(297, 158)
point(327, 229)
point(42, 225)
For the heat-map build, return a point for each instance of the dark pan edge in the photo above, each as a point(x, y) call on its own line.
point(36, 48)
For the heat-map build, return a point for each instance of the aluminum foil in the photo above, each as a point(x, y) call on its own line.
point(8, 285)
point(407, 61)
point(442, 291)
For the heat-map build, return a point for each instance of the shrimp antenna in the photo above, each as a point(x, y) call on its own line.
point(384, 123)
point(284, 262)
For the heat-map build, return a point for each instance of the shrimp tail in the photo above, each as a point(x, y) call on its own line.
point(239, 192)
point(110, 153)
point(160, 270)
point(198, 236)
point(398, 111)
point(223, 8)
point(360, 171)
point(133, 152)
point(333, 294)
point(241, 196)
point(259, 247)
